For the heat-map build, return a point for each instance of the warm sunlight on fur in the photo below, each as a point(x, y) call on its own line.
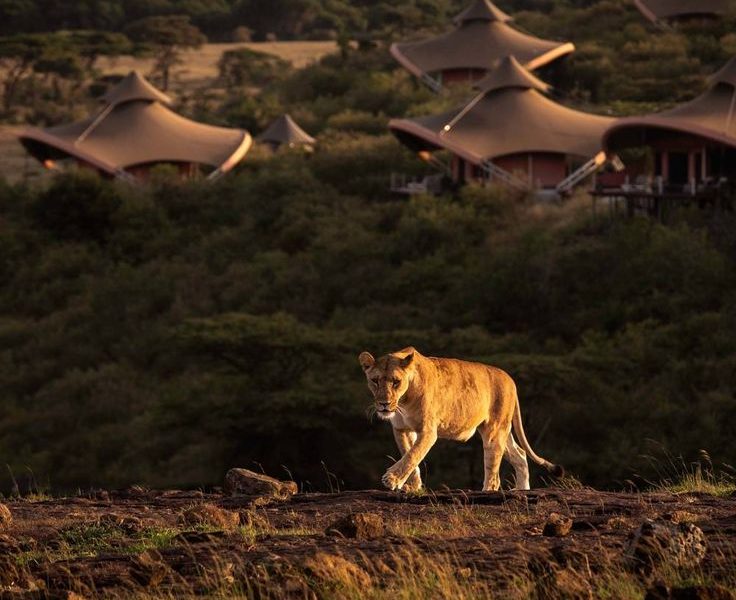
point(427, 398)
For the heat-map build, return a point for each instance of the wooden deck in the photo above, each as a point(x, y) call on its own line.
point(660, 201)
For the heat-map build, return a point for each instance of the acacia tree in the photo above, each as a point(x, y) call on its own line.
point(90, 45)
point(165, 37)
point(18, 55)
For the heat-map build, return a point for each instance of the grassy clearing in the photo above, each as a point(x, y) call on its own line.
point(199, 67)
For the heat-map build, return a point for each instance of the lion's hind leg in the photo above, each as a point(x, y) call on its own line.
point(517, 457)
point(494, 445)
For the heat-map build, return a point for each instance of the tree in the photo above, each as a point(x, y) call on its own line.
point(165, 37)
point(92, 44)
point(18, 54)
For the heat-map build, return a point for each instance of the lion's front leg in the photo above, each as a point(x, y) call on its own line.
point(396, 476)
point(405, 440)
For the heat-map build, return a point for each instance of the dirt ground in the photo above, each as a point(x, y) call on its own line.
point(460, 544)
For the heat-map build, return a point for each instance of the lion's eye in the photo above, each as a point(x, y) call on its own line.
point(375, 381)
point(397, 382)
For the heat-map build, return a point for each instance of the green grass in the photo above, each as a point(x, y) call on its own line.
point(88, 541)
point(700, 477)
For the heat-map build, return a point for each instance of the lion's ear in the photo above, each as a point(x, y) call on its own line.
point(407, 360)
point(366, 360)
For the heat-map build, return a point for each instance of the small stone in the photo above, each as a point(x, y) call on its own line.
point(249, 483)
point(6, 518)
point(557, 525)
point(103, 495)
point(149, 569)
point(209, 515)
point(360, 526)
point(657, 543)
point(681, 516)
point(619, 522)
point(127, 523)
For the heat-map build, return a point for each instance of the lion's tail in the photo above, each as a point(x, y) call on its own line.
point(555, 470)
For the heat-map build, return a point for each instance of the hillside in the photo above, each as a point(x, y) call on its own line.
point(449, 544)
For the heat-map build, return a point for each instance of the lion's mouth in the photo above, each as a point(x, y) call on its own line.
point(385, 414)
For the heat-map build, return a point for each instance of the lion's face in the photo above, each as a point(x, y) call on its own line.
point(388, 379)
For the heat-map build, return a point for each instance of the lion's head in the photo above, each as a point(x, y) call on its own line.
point(388, 379)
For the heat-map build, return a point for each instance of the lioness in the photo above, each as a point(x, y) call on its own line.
point(426, 398)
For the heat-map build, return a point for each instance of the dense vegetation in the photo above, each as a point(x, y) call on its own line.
point(163, 333)
point(622, 64)
point(166, 334)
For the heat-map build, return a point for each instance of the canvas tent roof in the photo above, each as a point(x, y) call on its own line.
point(482, 10)
point(135, 87)
point(656, 10)
point(712, 116)
point(509, 116)
point(135, 127)
point(284, 130)
point(481, 39)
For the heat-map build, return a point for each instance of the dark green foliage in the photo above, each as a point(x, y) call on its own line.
point(77, 208)
point(186, 329)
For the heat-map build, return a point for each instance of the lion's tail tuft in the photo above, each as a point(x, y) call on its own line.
point(557, 471)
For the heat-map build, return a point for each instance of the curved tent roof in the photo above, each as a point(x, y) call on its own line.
point(284, 130)
point(656, 10)
point(509, 116)
point(482, 37)
point(712, 116)
point(136, 127)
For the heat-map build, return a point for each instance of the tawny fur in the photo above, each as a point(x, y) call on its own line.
point(427, 398)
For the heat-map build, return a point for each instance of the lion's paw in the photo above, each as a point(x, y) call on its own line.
point(414, 483)
point(391, 481)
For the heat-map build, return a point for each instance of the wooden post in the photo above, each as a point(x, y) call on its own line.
point(665, 165)
point(691, 166)
point(704, 163)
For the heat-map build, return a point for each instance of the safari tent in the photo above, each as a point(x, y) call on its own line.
point(134, 130)
point(691, 148)
point(285, 132)
point(677, 10)
point(482, 36)
point(512, 132)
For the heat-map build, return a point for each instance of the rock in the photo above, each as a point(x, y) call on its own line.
point(681, 516)
point(209, 515)
point(127, 523)
point(6, 518)
point(657, 543)
point(359, 526)
point(557, 525)
point(149, 569)
point(248, 483)
point(699, 592)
